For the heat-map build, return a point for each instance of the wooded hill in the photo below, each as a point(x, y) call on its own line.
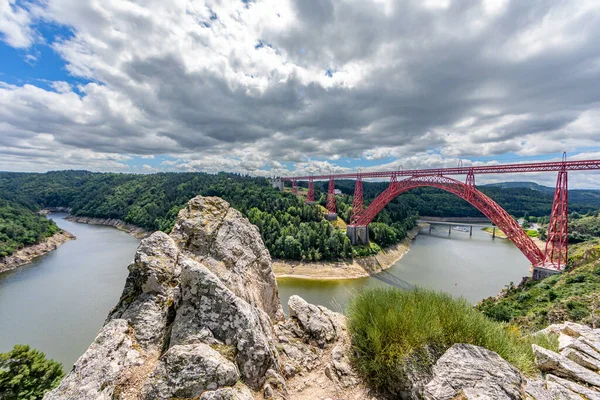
point(290, 229)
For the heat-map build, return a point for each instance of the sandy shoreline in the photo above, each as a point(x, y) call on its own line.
point(133, 230)
point(29, 253)
point(347, 269)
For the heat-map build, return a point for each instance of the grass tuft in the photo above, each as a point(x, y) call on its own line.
point(396, 331)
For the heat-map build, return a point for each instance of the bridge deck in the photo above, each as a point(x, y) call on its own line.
point(490, 225)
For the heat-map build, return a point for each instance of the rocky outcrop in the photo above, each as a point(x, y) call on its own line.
point(29, 253)
point(211, 232)
point(469, 372)
point(200, 317)
point(474, 373)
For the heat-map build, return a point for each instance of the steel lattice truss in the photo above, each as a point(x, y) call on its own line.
point(584, 165)
point(310, 197)
point(558, 229)
point(468, 192)
point(331, 208)
point(357, 202)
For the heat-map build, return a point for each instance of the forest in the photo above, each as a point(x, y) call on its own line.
point(21, 226)
point(290, 229)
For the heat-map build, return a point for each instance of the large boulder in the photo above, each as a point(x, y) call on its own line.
point(189, 371)
point(217, 235)
point(207, 303)
point(315, 323)
point(559, 365)
point(474, 373)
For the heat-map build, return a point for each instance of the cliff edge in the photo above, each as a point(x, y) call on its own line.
point(200, 317)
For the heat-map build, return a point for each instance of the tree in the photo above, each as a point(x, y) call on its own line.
point(25, 373)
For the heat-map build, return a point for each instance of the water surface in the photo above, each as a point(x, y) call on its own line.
point(473, 267)
point(58, 303)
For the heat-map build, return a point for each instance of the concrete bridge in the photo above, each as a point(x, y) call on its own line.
point(545, 263)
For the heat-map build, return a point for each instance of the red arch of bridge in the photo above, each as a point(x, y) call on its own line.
point(483, 203)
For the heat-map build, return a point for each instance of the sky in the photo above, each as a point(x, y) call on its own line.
point(286, 87)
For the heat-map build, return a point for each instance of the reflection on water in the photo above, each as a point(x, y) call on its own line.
point(473, 267)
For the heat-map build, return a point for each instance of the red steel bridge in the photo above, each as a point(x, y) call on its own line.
point(551, 260)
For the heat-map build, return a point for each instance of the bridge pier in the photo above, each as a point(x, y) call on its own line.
point(277, 183)
point(331, 216)
point(540, 272)
point(358, 234)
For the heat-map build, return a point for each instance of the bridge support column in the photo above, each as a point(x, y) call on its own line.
point(331, 208)
point(310, 197)
point(558, 230)
point(277, 184)
point(294, 187)
point(358, 234)
point(357, 201)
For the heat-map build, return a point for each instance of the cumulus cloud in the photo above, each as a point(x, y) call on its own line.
point(15, 23)
point(255, 86)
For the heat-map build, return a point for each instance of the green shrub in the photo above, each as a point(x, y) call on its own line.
point(576, 279)
point(26, 374)
point(499, 313)
point(523, 296)
point(394, 330)
point(597, 271)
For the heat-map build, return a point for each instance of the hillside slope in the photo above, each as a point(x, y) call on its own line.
point(571, 296)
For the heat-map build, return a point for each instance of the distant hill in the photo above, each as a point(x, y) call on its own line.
point(515, 185)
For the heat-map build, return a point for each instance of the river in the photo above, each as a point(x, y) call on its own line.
point(59, 302)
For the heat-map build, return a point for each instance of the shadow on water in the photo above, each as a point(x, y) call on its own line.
point(393, 280)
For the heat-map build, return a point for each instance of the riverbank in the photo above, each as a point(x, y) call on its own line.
point(133, 230)
point(346, 269)
point(29, 253)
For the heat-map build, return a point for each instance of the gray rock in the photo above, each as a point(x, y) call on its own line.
point(96, 372)
point(563, 389)
point(568, 328)
point(150, 291)
point(206, 303)
point(239, 392)
point(556, 364)
point(319, 324)
point(581, 358)
point(476, 373)
point(536, 390)
point(581, 345)
point(340, 364)
point(188, 371)
point(232, 248)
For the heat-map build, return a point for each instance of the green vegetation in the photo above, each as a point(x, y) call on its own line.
point(21, 226)
point(396, 331)
point(26, 374)
point(571, 296)
point(583, 228)
point(289, 228)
